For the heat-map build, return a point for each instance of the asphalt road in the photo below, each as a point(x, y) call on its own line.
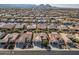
point(39, 52)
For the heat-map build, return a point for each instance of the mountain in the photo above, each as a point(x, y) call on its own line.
point(17, 5)
point(42, 6)
point(25, 6)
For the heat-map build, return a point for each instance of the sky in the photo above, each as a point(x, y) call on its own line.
point(58, 3)
point(67, 5)
point(40, 1)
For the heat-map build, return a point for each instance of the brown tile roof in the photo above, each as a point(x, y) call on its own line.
point(74, 28)
point(5, 39)
point(36, 37)
point(14, 36)
point(27, 35)
point(53, 36)
point(31, 26)
point(9, 26)
point(19, 26)
point(52, 26)
point(65, 38)
point(39, 36)
point(42, 26)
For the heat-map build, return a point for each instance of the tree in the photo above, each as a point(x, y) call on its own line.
point(45, 42)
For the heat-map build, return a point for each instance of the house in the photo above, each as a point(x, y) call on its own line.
point(20, 41)
point(4, 20)
point(31, 26)
point(24, 41)
point(25, 26)
point(74, 29)
point(4, 41)
point(12, 39)
point(9, 26)
point(2, 35)
point(37, 40)
point(72, 19)
point(40, 39)
point(19, 26)
point(54, 39)
point(26, 20)
point(63, 28)
point(1, 25)
point(75, 39)
point(19, 20)
point(52, 27)
point(67, 41)
point(53, 36)
point(42, 26)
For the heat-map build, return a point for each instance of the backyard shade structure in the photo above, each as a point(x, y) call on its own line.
point(23, 39)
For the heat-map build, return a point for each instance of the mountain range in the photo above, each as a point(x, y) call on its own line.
point(25, 6)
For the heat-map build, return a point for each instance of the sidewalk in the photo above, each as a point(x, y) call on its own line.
point(39, 49)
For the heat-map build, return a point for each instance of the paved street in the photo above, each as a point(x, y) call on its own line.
point(39, 53)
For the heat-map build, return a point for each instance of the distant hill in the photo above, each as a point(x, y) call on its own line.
point(16, 5)
point(42, 6)
point(25, 6)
